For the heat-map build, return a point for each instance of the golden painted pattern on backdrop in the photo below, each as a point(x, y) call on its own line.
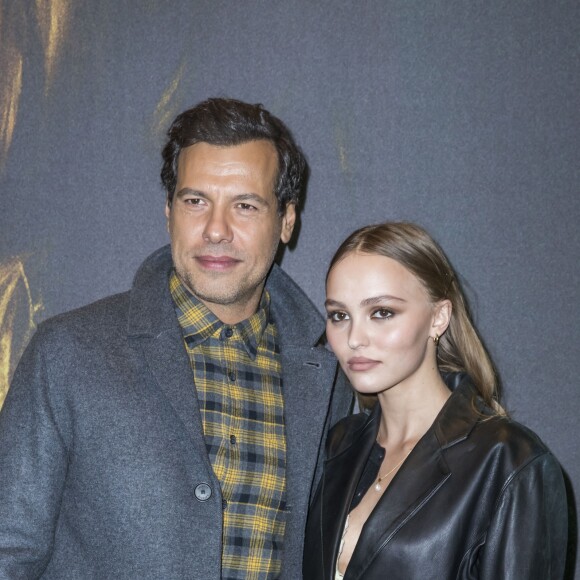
point(53, 20)
point(341, 143)
point(169, 104)
point(10, 89)
point(17, 314)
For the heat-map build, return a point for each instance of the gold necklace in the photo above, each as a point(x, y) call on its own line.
point(380, 478)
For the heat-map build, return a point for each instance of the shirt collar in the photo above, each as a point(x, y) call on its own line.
point(198, 322)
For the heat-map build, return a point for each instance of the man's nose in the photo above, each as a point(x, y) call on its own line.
point(217, 228)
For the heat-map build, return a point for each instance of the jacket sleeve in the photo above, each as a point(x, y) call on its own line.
point(528, 535)
point(33, 460)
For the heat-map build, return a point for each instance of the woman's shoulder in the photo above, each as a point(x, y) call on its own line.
point(516, 444)
point(467, 413)
point(349, 430)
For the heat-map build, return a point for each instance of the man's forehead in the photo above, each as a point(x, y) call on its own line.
point(253, 160)
point(256, 148)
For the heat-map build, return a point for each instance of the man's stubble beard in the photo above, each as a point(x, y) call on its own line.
point(224, 293)
point(237, 291)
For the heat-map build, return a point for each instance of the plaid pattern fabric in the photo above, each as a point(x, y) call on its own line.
point(237, 375)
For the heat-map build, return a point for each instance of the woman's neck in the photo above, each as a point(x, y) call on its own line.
point(409, 409)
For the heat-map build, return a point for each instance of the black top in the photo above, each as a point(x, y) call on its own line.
point(369, 474)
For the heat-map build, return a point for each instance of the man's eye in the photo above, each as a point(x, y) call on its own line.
point(247, 207)
point(382, 313)
point(336, 316)
point(193, 201)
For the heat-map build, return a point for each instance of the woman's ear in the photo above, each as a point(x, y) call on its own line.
point(441, 317)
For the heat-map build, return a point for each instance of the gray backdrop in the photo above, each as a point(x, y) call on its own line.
point(462, 116)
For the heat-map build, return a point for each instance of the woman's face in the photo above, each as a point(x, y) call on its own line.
point(379, 320)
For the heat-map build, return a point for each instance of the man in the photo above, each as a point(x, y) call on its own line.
point(174, 431)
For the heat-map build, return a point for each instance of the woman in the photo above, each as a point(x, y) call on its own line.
point(436, 482)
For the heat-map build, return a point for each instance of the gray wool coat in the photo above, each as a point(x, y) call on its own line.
point(101, 447)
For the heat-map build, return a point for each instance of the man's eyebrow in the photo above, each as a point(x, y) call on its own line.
point(241, 197)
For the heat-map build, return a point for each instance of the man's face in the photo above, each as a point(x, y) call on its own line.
point(224, 224)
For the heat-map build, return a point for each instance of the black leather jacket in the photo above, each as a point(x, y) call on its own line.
point(474, 499)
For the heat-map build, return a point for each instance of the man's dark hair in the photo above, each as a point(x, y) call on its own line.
point(227, 122)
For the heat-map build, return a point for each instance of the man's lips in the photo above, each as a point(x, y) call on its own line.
point(361, 363)
point(219, 263)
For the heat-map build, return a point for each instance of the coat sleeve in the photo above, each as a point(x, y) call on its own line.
point(33, 459)
point(528, 535)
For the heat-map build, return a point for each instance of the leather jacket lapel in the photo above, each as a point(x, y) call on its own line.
point(341, 475)
point(422, 477)
point(418, 480)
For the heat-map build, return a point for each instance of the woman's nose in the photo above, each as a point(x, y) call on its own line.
point(357, 336)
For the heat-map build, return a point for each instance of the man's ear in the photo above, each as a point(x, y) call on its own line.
point(441, 317)
point(288, 221)
point(167, 212)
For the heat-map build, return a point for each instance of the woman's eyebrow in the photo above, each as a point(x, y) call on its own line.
point(381, 298)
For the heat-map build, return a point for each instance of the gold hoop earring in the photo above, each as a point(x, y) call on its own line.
point(436, 340)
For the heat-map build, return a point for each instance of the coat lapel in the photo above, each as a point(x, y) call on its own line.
point(305, 371)
point(167, 360)
point(308, 374)
point(154, 328)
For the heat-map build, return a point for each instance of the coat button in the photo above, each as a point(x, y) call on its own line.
point(203, 492)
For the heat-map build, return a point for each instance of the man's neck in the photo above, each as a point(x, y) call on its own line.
point(233, 313)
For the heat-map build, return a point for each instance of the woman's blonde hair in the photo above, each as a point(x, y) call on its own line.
point(460, 348)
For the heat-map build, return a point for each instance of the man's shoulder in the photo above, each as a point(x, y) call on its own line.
point(284, 289)
point(112, 312)
point(292, 309)
point(106, 313)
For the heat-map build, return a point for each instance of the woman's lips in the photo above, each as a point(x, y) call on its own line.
point(361, 363)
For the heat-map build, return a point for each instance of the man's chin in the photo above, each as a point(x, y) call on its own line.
point(215, 293)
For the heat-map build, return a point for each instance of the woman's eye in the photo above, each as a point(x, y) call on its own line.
point(336, 316)
point(382, 313)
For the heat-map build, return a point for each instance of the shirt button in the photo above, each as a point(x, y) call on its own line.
point(229, 332)
point(233, 439)
point(232, 376)
point(202, 492)
point(224, 504)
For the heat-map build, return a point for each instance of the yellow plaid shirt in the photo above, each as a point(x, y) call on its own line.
point(237, 375)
